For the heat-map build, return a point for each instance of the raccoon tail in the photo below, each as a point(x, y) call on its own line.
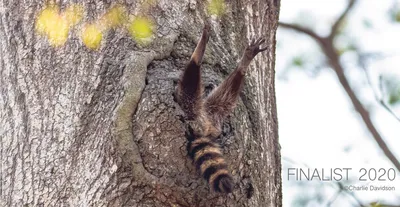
point(207, 156)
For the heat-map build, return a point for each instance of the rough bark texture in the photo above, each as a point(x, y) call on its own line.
point(101, 128)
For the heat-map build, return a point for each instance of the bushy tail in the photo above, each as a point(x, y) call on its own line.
point(207, 156)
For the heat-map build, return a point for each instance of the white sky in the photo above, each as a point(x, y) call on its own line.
point(316, 119)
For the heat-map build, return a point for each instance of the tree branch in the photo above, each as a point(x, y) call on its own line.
point(301, 29)
point(327, 47)
point(364, 113)
point(339, 21)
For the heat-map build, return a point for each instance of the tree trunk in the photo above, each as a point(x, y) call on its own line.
point(81, 127)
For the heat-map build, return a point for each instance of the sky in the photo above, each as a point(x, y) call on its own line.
point(318, 126)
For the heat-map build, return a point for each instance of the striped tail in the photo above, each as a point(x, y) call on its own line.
point(208, 159)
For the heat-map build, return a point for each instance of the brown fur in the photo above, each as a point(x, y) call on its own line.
point(209, 163)
point(206, 117)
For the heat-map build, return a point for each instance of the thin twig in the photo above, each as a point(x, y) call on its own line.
point(339, 21)
point(351, 194)
point(333, 198)
point(378, 99)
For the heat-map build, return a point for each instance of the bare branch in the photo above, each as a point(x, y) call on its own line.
point(301, 29)
point(339, 21)
point(364, 113)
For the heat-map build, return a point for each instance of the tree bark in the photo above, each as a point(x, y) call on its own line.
point(101, 128)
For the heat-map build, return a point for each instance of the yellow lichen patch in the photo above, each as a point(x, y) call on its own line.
point(141, 29)
point(47, 19)
point(59, 33)
point(73, 14)
point(92, 36)
point(216, 7)
point(56, 26)
point(115, 17)
point(50, 23)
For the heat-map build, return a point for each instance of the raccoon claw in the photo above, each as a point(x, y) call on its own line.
point(255, 47)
